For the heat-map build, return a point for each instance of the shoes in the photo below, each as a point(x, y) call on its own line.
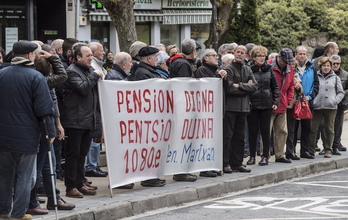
point(327, 154)
point(292, 157)
point(41, 200)
point(185, 177)
point(74, 193)
point(342, 148)
point(317, 149)
point(100, 170)
point(87, 191)
point(264, 161)
point(88, 184)
point(5, 216)
point(282, 160)
point(153, 183)
point(241, 169)
point(208, 174)
point(95, 173)
point(322, 152)
point(61, 205)
point(228, 169)
point(37, 211)
point(218, 172)
point(127, 186)
point(25, 217)
point(335, 151)
point(307, 155)
point(251, 161)
point(271, 151)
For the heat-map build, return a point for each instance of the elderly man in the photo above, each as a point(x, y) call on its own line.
point(331, 48)
point(226, 49)
point(78, 117)
point(121, 68)
point(27, 104)
point(284, 72)
point(310, 85)
point(147, 70)
point(57, 46)
point(92, 169)
point(238, 85)
point(226, 59)
point(336, 66)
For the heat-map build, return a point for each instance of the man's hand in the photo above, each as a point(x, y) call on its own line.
point(250, 81)
point(236, 85)
point(45, 54)
point(100, 74)
point(222, 73)
point(60, 132)
point(274, 107)
point(52, 140)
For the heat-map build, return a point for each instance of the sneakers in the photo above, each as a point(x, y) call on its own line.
point(25, 217)
point(185, 177)
point(153, 183)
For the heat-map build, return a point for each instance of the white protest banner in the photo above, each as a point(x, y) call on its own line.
point(158, 127)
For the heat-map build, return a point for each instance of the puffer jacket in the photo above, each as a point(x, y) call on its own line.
point(330, 92)
point(80, 97)
point(267, 93)
point(238, 99)
point(285, 83)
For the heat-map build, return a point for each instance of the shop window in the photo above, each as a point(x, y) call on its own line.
point(170, 34)
point(100, 32)
point(143, 32)
point(200, 32)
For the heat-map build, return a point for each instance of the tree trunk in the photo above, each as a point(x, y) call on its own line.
point(122, 15)
point(224, 19)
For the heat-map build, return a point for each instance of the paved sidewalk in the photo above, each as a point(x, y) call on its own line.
point(140, 199)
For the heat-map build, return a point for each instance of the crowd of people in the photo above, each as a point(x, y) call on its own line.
point(55, 87)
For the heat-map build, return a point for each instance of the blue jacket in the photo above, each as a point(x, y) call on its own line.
point(24, 100)
point(310, 81)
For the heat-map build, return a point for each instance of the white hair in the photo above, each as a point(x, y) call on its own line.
point(227, 57)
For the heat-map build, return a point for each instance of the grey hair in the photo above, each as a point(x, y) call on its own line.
point(123, 57)
point(162, 57)
point(336, 57)
point(301, 47)
point(187, 46)
point(226, 57)
point(205, 53)
point(225, 47)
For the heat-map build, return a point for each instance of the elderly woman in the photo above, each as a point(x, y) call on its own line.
point(325, 104)
point(172, 50)
point(161, 64)
point(263, 101)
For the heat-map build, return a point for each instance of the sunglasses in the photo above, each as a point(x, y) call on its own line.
point(336, 63)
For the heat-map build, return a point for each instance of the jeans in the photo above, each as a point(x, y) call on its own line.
point(43, 167)
point(93, 156)
point(18, 175)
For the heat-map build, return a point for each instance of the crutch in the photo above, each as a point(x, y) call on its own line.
point(49, 145)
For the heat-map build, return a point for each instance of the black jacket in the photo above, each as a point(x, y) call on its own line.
point(80, 97)
point(146, 71)
point(237, 99)
point(267, 93)
point(116, 73)
point(180, 67)
point(207, 70)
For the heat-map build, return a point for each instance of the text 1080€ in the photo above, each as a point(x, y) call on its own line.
point(139, 159)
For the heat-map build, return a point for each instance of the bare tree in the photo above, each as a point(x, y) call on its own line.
point(224, 19)
point(122, 15)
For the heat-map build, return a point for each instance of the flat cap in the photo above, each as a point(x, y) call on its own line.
point(24, 47)
point(147, 51)
point(287, 55)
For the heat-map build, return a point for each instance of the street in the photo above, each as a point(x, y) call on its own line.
point(320, 196)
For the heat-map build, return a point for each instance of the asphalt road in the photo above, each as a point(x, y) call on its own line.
point(320, 196)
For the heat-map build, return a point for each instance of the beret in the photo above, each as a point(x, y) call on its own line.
point(147, 51)
point(24, 47)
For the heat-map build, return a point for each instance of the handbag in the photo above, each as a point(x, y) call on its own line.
point(301, 110)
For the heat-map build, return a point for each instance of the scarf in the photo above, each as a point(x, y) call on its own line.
point(22, 61)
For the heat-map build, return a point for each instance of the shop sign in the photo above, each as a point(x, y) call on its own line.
point(50, 32)
point(11, 37)
point(147, 4)
point(186, 4)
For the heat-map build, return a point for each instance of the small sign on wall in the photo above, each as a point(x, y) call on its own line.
point(11, 37)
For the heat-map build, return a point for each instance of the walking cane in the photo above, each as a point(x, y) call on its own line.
point(49, 145)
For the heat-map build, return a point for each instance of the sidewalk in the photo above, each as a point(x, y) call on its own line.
point(141, 199)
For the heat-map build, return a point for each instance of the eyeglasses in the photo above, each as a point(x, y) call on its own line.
point(260, 56)
point(213, 55)
point(336, 64)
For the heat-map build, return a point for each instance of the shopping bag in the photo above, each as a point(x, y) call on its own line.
point(301, 110)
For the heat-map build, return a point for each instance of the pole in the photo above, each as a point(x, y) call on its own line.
point(214, 14)
point(49, 146)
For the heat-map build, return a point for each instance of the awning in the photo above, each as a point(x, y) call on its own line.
point(140, 16)
point(186, 16)
point(164, 16)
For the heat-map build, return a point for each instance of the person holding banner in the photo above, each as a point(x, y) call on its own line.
point(238, 85)
point(147, 70)
point(121, 67)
